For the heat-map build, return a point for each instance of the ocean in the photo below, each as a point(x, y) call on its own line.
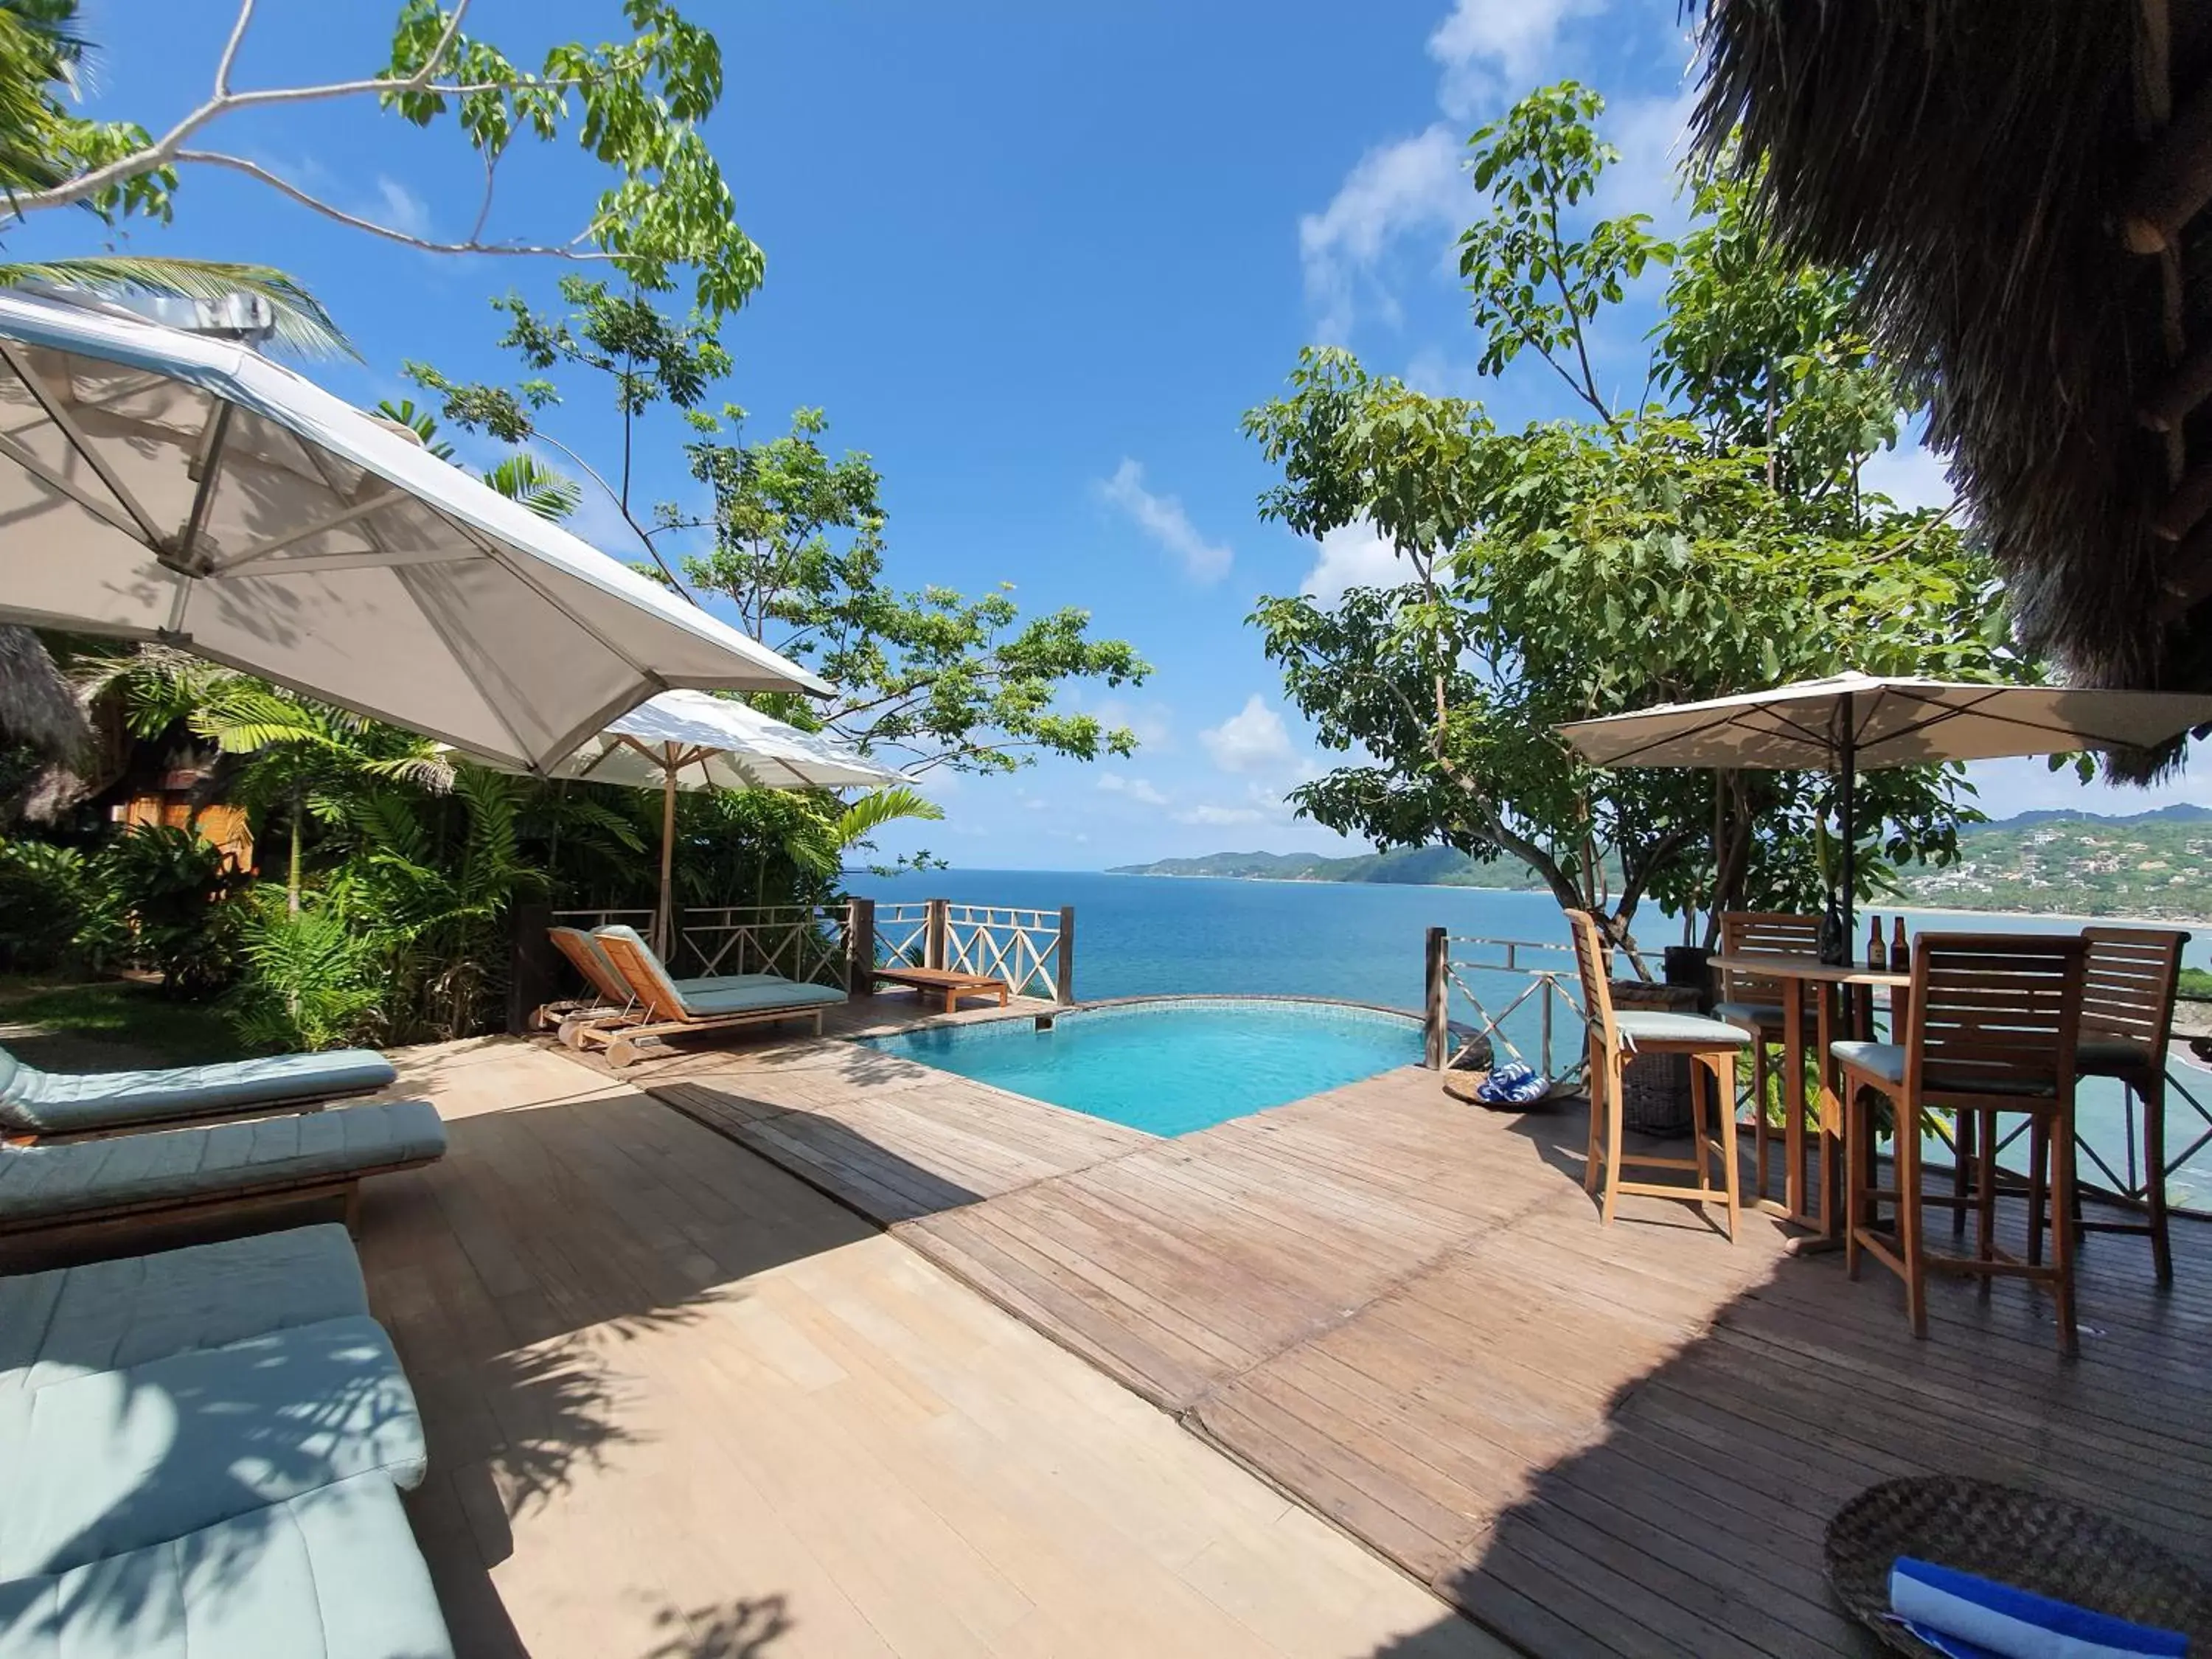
point(1138, 934)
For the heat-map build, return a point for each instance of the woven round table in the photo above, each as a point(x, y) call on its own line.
point(2026, 1538)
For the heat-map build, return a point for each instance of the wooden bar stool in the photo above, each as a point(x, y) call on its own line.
point(1992, 1027)
point(1711, 1044)
point(1754, 1002)
point(2127, 1016)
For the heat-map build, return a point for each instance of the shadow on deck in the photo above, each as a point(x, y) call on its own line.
point(1404, 1313)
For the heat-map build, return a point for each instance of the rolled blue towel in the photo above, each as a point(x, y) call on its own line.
point(1516, 1085)
point(1973, 1617)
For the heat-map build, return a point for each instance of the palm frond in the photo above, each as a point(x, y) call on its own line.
point(872, 812)
point(420, 422)
point(303, 328)
point(545, 490)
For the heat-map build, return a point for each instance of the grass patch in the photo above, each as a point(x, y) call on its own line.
point(120, 1011)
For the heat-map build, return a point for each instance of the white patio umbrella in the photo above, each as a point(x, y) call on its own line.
point(689, 740)
point(1851, 722)
point(159, 484)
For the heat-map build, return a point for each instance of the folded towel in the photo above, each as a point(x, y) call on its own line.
point(1513, 1085)
point(1972, 1618)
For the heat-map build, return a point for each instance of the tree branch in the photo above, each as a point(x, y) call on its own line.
point(353, 221)
point(644, 539)
point(230, 49)
point(421, 79)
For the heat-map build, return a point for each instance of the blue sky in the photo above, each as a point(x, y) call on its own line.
point(1036, 261)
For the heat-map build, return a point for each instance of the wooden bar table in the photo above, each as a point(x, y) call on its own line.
point(1815, 1207)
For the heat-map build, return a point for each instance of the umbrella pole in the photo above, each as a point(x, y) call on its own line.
point(1847, 755)
point(664, 922)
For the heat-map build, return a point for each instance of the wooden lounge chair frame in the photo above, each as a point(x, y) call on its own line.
point(45, 1242)
point(1778, 931)
point(612, 999)
point(655, 1012)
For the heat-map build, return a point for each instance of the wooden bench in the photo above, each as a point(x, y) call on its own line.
point(954, 984)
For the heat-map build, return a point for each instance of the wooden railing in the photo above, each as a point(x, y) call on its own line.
point(1532, 996)
point(1032, 949)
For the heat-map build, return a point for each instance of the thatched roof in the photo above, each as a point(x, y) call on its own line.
point(38, 706)
point(2020, 181)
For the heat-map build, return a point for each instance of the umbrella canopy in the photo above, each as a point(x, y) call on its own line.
point(1855, 721)
point(1815, 724)
point(689, 740)
point(157, 484)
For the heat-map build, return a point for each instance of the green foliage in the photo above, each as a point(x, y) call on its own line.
point(311, 980)
point(794, 542)
point(1714, 543)
point(2196, 983)
point(164, 894)
point(47, 897)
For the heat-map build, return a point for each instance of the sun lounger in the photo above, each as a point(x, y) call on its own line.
point(110, 1316)
point(661, 1008)
point(611, 998)
point(333, 1572)
point(59, 1196)
point(111, 1461)
point(36, 1105)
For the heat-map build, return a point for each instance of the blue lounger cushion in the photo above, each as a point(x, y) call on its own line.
point(744, 999)
point(48, 1185)
point(706, 982)
point(110, 1316)
point(37, 1103)
point(102, 1464)
point(1958, 1613)
point(331, 1574)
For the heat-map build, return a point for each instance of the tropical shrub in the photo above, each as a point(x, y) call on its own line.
point(46, 898)
point(309, 979)
point(164, 894)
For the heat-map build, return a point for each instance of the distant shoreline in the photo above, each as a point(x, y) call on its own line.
point(1866, 909)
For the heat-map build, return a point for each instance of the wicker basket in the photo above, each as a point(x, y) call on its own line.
point(1655, 1095)
point(2028, 1539)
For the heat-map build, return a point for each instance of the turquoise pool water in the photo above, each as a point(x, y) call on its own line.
point(1172, 1067)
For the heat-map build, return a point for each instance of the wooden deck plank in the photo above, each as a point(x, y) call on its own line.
point(679, 1401)
point(1405, 1314)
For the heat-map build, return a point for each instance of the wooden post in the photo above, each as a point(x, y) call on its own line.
point(1064, 990)
point(861, 949)
point(934, 931)
point(533, 977)
point(1438, 977)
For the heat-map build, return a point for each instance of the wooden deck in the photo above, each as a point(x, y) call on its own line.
point(681, 1405)
point(1405, 1314)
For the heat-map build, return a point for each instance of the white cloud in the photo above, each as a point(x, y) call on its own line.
point(1909, 475)
point(1414, 185)
point(1252, 739)
point(1153, 722)
point(1220, 816)
point(1491, 48)
point(1652, 135)
point(1140, 790)
point(1162, 518)
point(1353, 555)
point(401, 208)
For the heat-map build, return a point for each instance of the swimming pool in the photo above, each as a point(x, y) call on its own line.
point(1172, 1066)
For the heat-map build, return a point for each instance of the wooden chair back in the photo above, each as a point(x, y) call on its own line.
point(2128, 991)
point(586, 957)
point(1995, 1018)
point(648, 980)
point(1775, 932)
point(1593, 959)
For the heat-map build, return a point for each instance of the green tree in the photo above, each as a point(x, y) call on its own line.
point(794, 541)
point(1710, 539)
point(633, 105)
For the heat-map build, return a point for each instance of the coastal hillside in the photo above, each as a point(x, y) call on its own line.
point(2148, 864)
